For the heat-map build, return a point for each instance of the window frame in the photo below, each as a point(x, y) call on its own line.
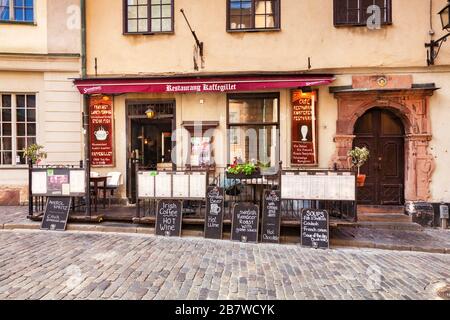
point(276, 124)
point(385, 22)
point(149, 20)
point(253, 29)
point(12, 20)
point(14, 124)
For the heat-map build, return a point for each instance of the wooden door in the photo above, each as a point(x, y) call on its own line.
point(383, 134)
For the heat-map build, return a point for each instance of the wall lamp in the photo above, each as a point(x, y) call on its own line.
point(434, 46)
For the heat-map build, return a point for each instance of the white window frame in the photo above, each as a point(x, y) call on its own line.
point(12, 17)
point(14, 127)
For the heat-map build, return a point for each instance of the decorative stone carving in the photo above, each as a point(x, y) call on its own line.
point(411, 106)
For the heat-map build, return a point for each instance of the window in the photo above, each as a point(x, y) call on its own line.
point(17, 127)
point(354, 12)
point(148, 16)
point(17, 10)
point(253, 14)
point(253, 123)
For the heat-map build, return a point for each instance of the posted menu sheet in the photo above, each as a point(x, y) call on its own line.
point(180, 185)
point(146, 183)
point(39, 183)
point(198, 185)
point(77, 182)
point(163, 185)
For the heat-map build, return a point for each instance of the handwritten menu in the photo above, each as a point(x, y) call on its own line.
point(169, 218)
point(215, 201)
point(271, 217)
point(245, 223)
point(56, 214)
point(315, 230)
point(102, 131)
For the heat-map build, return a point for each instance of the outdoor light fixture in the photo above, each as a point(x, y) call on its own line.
point(150, 113)
point(433, 44)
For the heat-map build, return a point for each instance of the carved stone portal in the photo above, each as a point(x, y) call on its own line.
point(411, 106)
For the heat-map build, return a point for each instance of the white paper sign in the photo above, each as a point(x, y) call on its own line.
point(318, 187)
point(348, 186)
point(163, 185)
point(333, 187)
point(77, 182)
point(146, 183)
point(39, 183)
point(180, 185)
point(197, 186)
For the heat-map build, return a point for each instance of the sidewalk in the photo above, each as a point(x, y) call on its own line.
point(425, 240)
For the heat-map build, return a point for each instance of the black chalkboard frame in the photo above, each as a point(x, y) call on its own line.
point(67, 217)
point(257, 222)
point(328, 228)
point(266, 191)
point(181, 216)
point(222, 191)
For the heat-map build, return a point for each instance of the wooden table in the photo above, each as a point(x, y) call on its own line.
point(96, 181)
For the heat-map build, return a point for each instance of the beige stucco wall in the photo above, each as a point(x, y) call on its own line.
point(306, 31)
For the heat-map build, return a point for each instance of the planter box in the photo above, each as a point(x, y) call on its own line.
point(242, 176)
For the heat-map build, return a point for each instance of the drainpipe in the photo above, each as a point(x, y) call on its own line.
point(86, 120)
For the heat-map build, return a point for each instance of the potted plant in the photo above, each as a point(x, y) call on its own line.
point(358, 157)
point(34, 153)
point(248, 170)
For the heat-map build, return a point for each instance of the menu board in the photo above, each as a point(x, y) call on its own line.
point(245, 223)
point(56, 214)
point(271, 217)
point(146, 183)
point(169, 218)
point(304, 128)
point(39, 183)
point(163, 185)
point(180, 185)
point(197, 189)
point(318, 186)
point(77, 180)
point(215, 201)
point(102, 131)
point(315, 229)
point(55, 182)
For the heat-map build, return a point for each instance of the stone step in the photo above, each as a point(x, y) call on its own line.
point(388, 218)
point(381, 209)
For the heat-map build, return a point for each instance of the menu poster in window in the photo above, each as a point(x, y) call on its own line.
point(58, 182)
point(201, 151)
point(102, 131)
point(304, 128)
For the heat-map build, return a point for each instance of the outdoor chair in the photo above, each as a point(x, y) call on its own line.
point(112, 184)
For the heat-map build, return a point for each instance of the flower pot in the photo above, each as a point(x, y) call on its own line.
point(242, 176)
point(361, 180)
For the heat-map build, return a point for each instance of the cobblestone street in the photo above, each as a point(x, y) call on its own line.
point(43, 265)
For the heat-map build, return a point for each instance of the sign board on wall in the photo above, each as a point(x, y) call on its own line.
point(304, 128)
point(102, 131)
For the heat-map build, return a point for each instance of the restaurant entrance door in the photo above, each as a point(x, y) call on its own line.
point(149, 139)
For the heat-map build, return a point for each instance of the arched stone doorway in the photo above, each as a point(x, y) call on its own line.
point(411, 105)
point(383, 133)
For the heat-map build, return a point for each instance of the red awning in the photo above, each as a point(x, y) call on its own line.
point(199, 84)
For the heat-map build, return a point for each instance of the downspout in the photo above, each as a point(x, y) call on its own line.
point(86, 120)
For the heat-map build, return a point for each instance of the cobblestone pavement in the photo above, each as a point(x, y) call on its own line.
point(45, 265)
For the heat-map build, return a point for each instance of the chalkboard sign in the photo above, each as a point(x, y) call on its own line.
point(315, 229)
point(245, 223)
point(215, 197)
point(271, 217)
point(169, 218)
point(56, 213)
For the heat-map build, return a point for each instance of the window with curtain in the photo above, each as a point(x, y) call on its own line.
point(354, 12)
point(148, 16)
point(17, 10)
point(253, 14)
point(17, 127)
point(253, 126)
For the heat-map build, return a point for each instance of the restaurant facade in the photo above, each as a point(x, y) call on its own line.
point(291, 82)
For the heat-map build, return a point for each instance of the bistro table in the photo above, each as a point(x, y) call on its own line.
point(96, 181)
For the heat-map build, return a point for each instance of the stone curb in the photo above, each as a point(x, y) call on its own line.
point(187, 233)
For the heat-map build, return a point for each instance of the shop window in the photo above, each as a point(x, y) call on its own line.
point(253, 15)
point(17, 127)
point(148, 16)
point(354, 12)
point(17, 10)
point(253, 123)
point(202, 139)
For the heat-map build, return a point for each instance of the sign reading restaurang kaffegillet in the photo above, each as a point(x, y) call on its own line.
point(169, 218)
point(304, 128)
point(102, 131)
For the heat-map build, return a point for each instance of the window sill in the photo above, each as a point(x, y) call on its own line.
point(26, 23)
point(343, 25)
point(253, 30)
point(148, 33)
point(18, 167)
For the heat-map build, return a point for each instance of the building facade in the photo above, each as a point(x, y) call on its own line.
point(39, 54)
